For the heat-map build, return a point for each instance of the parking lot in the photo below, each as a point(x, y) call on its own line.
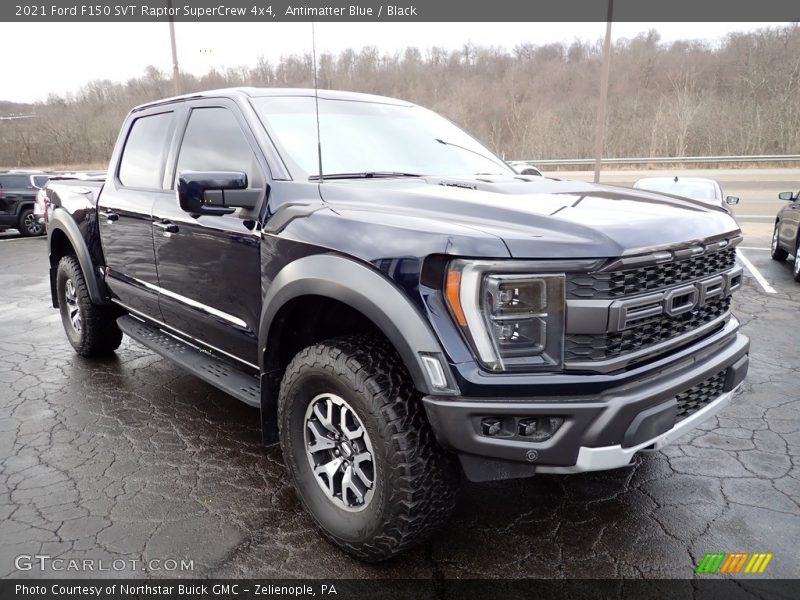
point(131, 458)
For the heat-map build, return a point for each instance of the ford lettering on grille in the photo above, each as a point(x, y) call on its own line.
point(672, 303)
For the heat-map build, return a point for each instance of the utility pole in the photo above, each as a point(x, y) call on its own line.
point(176, 74)
point(600, 129)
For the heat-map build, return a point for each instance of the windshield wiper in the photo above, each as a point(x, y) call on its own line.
point(496, 161)
point(362, 175)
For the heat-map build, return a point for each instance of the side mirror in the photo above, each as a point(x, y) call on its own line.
point(214, 192)
point(787, 196)
point(732, 200)
point(530, 171)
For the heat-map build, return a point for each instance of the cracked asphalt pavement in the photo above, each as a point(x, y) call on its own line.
point(132, 458)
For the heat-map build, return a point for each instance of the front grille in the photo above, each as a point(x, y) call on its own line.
point(605, 346)
point(626, 282)
point(695, 398)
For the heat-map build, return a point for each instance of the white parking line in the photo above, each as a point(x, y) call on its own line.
point(752, 248)
point(755, 272)
point(21, 238)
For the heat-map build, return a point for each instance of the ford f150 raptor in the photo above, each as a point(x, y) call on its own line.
point(400, 304)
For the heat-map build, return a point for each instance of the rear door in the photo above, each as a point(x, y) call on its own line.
point(209, 266)
point(14, 189)
point(125, 210)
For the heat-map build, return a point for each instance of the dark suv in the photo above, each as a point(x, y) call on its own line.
point(17, 197)
point(786, 235)
point(400, 304)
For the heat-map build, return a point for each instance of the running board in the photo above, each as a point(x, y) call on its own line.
point(210, 369)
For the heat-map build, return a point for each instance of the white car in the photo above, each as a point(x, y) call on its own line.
point(696, 188)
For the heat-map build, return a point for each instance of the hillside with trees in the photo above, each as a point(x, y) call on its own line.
point(738, 96)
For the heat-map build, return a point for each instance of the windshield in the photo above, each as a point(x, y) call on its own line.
point(697, 190)
point(369, 137)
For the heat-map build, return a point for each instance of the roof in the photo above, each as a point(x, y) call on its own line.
point(254, 92)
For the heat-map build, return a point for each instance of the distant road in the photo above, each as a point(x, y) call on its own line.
point(757, 189)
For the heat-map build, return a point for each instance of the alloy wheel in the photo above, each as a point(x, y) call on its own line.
point(73, 310)
point(31, 224)
point(340, 452)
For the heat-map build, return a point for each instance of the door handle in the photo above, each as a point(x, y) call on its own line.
point(166, 226)
point(111, 216)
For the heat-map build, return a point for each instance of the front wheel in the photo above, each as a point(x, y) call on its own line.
point(359, 448)
point(28, 224)
point(91, 329)
point(775, 251)
point(796, 264)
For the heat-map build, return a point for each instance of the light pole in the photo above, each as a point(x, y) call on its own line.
point(600, 128)
point(176, 84)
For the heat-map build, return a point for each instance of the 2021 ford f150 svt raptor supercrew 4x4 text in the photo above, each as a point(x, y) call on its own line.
point(400, 304)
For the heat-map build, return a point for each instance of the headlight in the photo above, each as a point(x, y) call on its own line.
point(512, 320)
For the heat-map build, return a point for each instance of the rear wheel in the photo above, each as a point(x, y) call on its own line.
point(29, 224)
point(359, 448)
point(91, 329)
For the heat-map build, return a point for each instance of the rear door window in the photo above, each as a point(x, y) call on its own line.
point(14, 182)
point(142, 164)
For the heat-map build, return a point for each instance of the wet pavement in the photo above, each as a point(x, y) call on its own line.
point(132, 459)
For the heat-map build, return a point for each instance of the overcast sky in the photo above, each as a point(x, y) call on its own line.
point(60, 57)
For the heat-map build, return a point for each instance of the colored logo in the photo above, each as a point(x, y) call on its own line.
point(735, 563)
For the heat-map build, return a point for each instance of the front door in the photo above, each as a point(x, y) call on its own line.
point(209, 266)
point(125, 211)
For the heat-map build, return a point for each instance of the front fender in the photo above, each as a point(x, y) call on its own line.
point(367, 291)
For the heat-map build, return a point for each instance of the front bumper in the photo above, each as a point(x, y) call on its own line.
point(614, 457)
point(599, 432)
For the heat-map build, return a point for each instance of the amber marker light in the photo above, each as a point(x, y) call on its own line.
point(453, 291)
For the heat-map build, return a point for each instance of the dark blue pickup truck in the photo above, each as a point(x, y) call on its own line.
point(400, 304)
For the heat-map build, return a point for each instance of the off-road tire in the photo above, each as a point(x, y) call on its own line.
point(415, 482)
point(98, 334)
point(26, 228)
point(776, 252)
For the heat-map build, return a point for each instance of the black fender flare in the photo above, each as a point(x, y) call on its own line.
point(60, 220)
point(24, 205)
point(372, 294)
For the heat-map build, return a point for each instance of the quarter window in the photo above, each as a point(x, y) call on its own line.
point(145, 151)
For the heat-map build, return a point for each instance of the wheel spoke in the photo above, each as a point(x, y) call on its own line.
point(326, 419)
point(351, 486)
point(346, 415)
point(361, 459)
point(321, 440)
point(328, 472)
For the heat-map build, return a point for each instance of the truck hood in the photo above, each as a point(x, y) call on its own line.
point(535, 217)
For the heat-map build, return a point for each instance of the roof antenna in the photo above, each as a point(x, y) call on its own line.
point(316, 98)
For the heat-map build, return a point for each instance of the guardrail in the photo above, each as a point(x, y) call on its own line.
point(661, 160)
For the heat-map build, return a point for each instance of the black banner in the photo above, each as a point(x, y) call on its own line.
point(399, 10)
point(441, 589)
